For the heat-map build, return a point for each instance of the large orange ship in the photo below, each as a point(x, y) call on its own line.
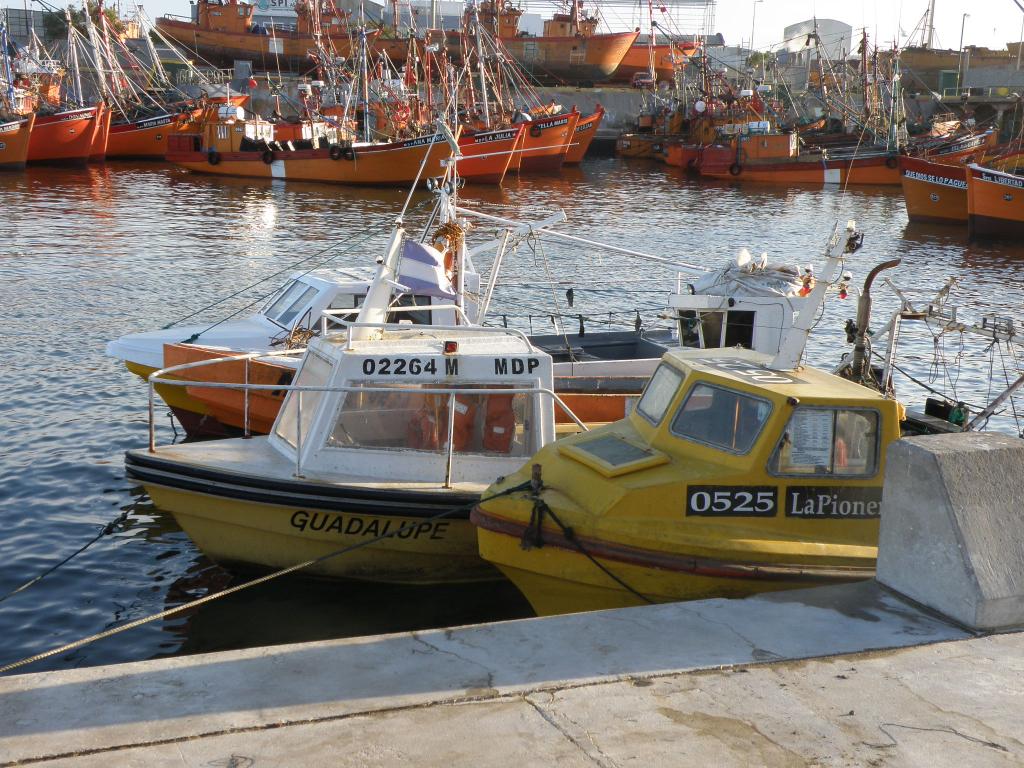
point(231, 146)
point(638, 60)
point(995, 203)
point(14, 141)
point(224, 31)
point(64, 137)
point(569, 51)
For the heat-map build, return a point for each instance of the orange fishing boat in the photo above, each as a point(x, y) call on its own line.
point(224, 31)
point(147, 137)
point(547, 141)
point(14, 141)
point(995, 203)
point(583, 135)
point(233, 146)
point(775, 158)
point(934, 192)
point(63, 137)
point(101, 134)
point(569, 50)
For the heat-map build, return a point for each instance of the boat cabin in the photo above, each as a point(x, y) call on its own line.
point(432, 405)
point(739, 440)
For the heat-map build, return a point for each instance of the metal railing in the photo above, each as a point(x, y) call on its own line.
point(158, 377)
point(989, 92)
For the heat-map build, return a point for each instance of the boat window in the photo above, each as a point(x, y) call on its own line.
point(739, 329)
point(299, 305)
point(403, 419)
point(283, 298)
point(408, 300)
point(703, 330)
point(659, 393)
point(316, 370)
point(722, 418)
point(828, 441)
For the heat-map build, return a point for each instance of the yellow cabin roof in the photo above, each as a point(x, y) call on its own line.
point(748, 369)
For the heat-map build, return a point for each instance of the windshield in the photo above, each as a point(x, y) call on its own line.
point(292, 300)
point(659, 393)
point(722, 418)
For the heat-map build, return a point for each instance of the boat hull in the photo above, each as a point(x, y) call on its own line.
point(934, 192)
point(394, 164)
point(146, 139)
point(64, 137)
point(546, 143)
point(583, 135)
point(570, 59)
point(14, 142)
point(995, 204)
point(265, 51)
point(254, 523)
point(98, 151)
point(563, 580)
point(637, 60)
point(879, 170)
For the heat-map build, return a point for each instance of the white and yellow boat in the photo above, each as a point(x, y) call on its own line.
point(387, 437)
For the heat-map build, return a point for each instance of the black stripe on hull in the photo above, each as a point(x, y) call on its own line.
point(990, 226)
point(386, 502)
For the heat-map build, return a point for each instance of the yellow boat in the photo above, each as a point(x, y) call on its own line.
point(736, 473)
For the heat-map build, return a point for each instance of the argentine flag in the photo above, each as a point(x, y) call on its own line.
point(422, 271)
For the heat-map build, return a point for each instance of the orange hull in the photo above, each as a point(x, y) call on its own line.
point(65, 137)
point(933, 191)
point(147, 138)
point(14, 142)
point(639, 145)
point(394, 164)
point(637, 59)
point(265, 51)
point(487, 156)
point(682, 155)
point(547, 142)
point(720, 163)
point(583, 135)
point(995, 203)
point(570, 59)
point(104, 115)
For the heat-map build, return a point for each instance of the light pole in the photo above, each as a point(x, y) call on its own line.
point(960, 61)
point(753, 20)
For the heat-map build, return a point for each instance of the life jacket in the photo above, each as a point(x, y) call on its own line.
point(499, 424)
point(428, 429)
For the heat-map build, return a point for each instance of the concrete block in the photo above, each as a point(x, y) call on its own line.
point(952, 529)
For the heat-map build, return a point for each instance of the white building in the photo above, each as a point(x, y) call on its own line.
point(836, 40)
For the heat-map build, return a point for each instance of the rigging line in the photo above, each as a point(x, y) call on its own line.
point(253, 582)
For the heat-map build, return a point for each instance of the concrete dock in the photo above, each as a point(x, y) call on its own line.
point(847, 675)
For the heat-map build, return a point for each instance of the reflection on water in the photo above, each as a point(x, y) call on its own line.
point(90, 254)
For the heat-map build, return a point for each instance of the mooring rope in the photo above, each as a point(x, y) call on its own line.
point(252, 583)
point(106, 530)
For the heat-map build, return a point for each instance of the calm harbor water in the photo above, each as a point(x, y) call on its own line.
point(89, 255)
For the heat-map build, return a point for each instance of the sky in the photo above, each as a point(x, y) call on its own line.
point(992, 23)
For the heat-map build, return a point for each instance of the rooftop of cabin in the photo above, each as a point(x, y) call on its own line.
point(750, 368)
point(426, 340)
